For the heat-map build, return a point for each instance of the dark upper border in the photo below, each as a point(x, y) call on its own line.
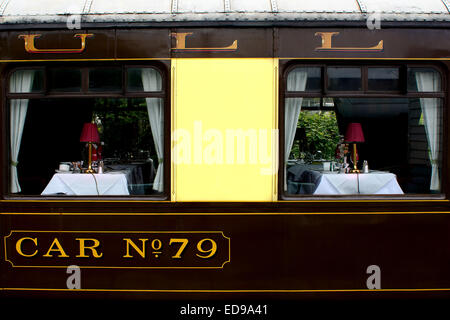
point(228, 24)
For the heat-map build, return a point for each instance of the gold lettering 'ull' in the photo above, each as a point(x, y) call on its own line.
point(87, 248)
point(31, 48)
point(328, 46)
point(180, 44)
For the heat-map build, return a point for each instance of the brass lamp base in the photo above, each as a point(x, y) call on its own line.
point(355, 168)
point(89, 169)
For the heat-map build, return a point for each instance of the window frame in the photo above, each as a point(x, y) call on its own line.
point(287, 66)
point(402, 78)
point(46, 82)
point(339, 66)
point(162, 67)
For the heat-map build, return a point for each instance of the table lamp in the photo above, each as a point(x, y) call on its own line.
point(90, 135)
point(353, 135)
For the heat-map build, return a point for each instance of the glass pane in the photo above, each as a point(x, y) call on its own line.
point(312, 143)
point(328, 102)
point(322, 133)
point(27, 81)
point(105, 79)
point(305, 79)
point(400, 139)
point(311, 120)
point(144, 79)
point(306, 103)
point(384, 79)
point(127, 145)
point(64, 79)
point(344, 79)
point(424, 80)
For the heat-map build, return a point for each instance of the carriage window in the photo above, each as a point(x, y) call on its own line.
point(305, 79)
point(138, 83)
point(424, 80)
point(64, 79)
point(18, 82)
point(384, 79)
point(105, 79)
point(87, 144)
point(365, 145)
point(344, 79)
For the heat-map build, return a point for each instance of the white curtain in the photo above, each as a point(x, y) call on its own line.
point(429, 82)
point(21, 82)
point(151, 81)
point(296, 81)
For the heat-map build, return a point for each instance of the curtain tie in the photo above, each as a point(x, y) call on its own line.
point(14, 163)
point(160, 160)
point(435, 162)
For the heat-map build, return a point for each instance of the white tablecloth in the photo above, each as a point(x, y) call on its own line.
point(133, 173)
point(369, 183)
point(87, 184)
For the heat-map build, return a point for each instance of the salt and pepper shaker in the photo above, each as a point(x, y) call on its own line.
point(366, 167)
point(100, 167)
point(76, 167)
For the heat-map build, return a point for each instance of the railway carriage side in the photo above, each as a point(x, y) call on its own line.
point(263, 159)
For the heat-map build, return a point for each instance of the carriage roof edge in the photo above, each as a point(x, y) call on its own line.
point(222, 12)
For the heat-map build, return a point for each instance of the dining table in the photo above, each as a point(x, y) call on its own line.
point(374, 182)
point(68, 183)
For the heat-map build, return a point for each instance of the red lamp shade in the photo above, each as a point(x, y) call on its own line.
point(354, 133)
point(90, 133)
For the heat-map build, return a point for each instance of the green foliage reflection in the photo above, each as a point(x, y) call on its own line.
point(322, 135)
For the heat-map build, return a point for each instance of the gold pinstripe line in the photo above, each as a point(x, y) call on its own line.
point(230, 290)
point(280, 58)
point(221, 213)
